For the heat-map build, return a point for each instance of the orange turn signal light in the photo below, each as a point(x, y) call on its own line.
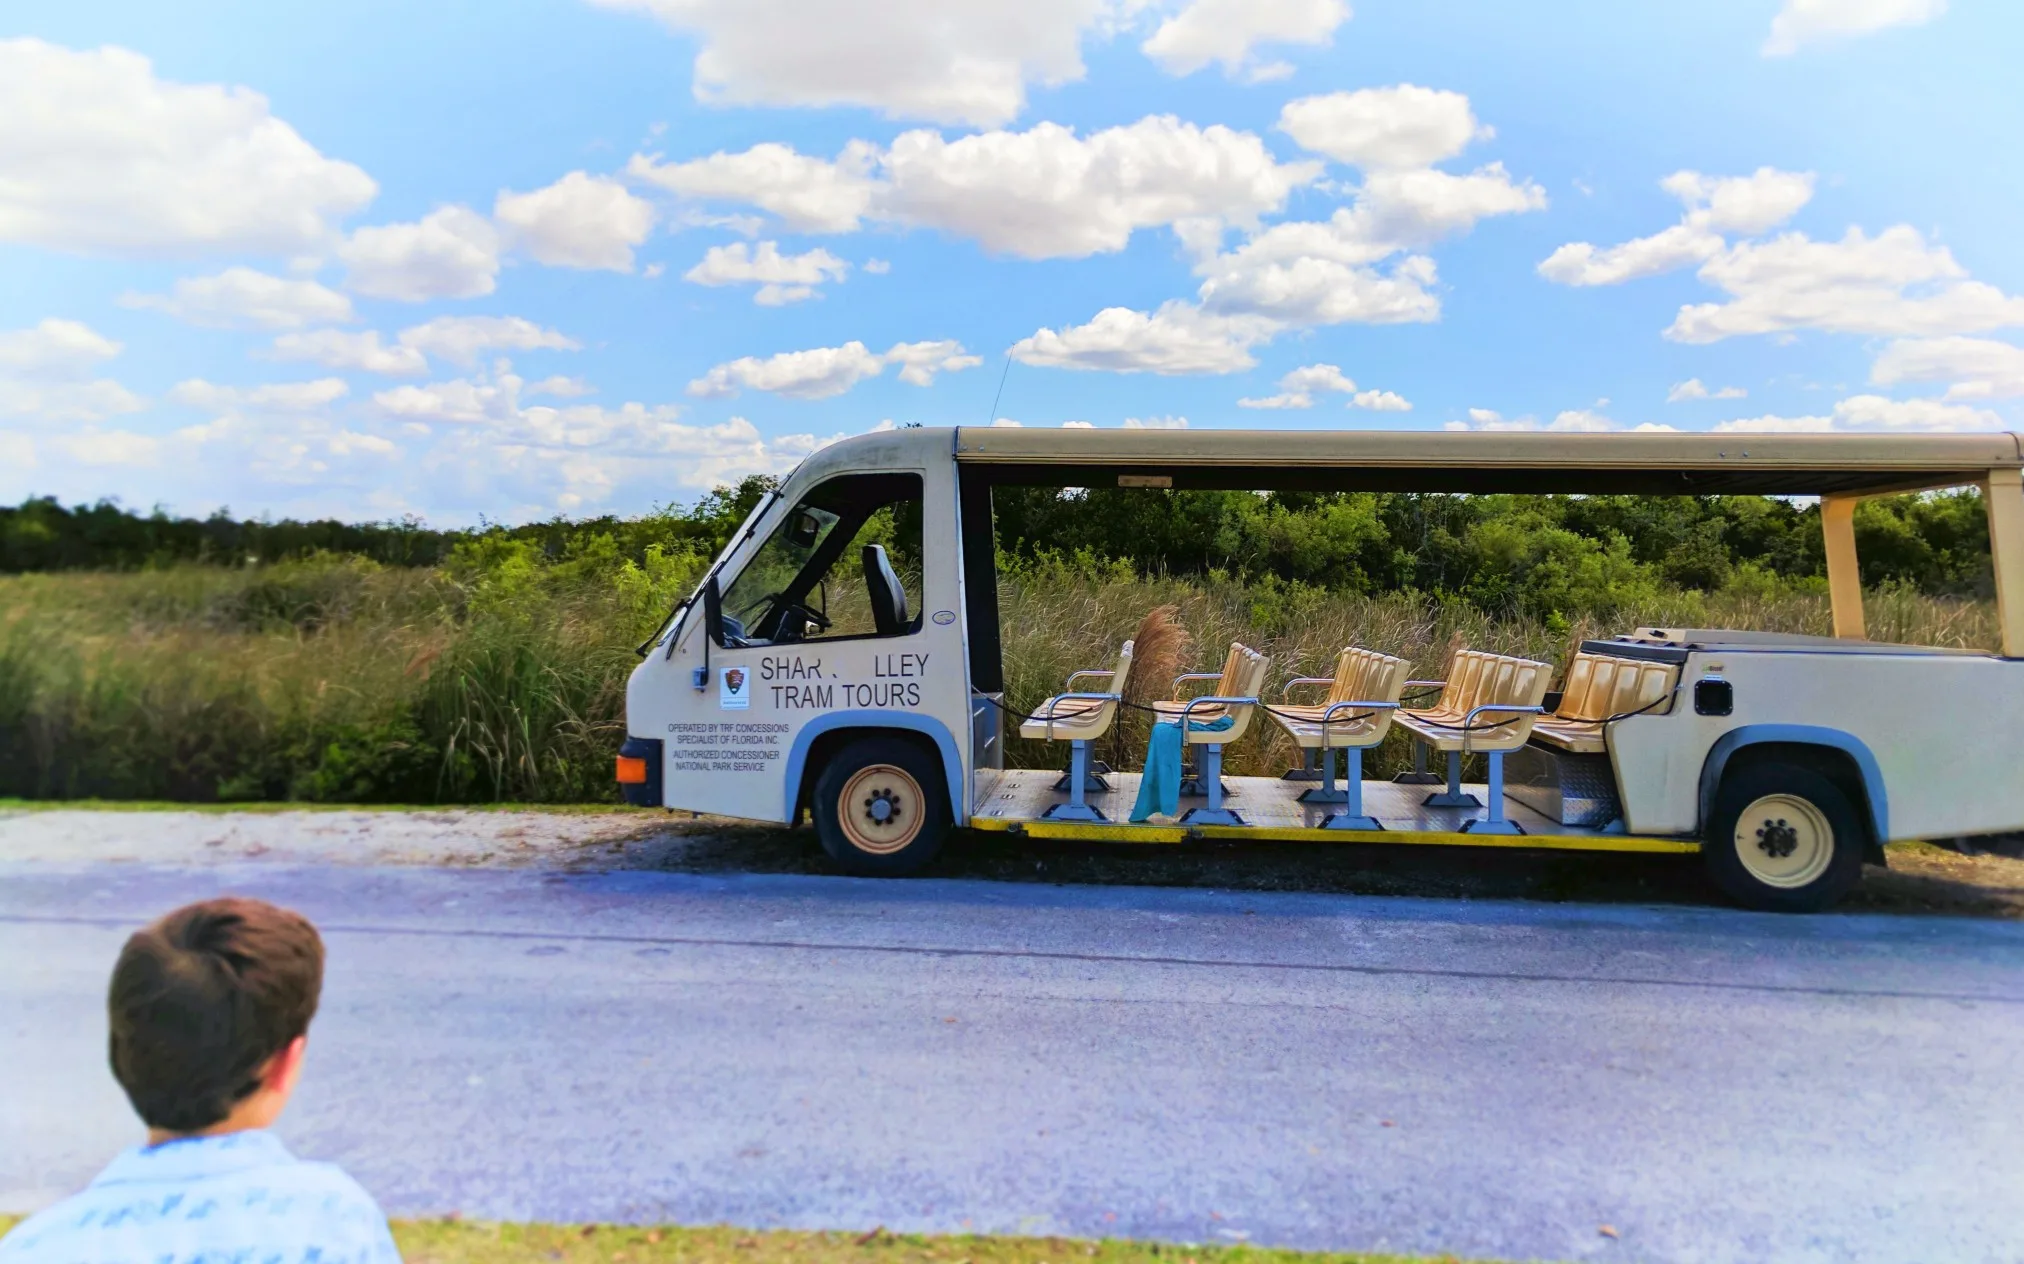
point(631, 771)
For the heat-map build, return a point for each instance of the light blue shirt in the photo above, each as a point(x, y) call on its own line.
point(237, 1199)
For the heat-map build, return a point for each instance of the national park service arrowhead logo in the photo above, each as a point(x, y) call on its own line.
point(736, 695)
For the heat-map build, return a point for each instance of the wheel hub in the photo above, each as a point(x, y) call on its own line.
point(1784, 840)
point(882, 807)
point(1777, 838)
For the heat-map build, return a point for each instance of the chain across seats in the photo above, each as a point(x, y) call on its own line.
point(1079, 719)
point(1363, 697)
point(1488, 704)
point(1599, 686)
point(1235, 697)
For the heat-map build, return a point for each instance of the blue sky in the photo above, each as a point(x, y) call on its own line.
point(463, 260)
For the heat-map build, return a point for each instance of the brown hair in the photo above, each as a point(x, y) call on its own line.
point(202, 999)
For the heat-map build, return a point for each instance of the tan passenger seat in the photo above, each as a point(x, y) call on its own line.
point(1236, 696)
point(1488, 705)
point(1363, 697)
point(1600, 686)
point(1079, 719)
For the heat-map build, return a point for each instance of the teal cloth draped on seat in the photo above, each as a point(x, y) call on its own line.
point(1160, 785)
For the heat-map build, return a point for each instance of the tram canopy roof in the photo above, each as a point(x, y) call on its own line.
point(1640, 463)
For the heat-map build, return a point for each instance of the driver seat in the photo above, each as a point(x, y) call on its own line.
point(888, 598)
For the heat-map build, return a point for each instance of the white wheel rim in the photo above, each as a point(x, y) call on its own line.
point(1784, 841)
point(880, 809)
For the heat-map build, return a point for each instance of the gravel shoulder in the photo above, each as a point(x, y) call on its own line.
point(1920, 879)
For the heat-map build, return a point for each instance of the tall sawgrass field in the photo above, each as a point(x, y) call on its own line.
point(499, 675)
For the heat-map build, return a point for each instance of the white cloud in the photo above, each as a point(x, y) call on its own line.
point(580, 221)
point(809, 195)
point(561, 387)
point(1228, 31)
point(1693, 388)
point(1750, 204)
point(339, 349)
point(98, 448)
point(781, 278)
point(1179, 338)
point(1313, 289)
point(1582, 263)
point(102, 157)
point(822, 372)
point(273, 397)
point(1401, 127)
point(54, 348)
point(45, 375)
point(56, 402)
point(1297, 387)
point(459, 401)
point(1320, 273)
point(241, 298)
point(920, 361)
point(1039, 194)
point(817, 373)
point(877, 267)
point(452, 252)
point(965, 63)
point(1152, 423)
point(1381, 401)
point(1308, 273)
point(1977, 368)
point(1873, 412)
point(462, 339)
point(1046, 193)
point(1570, 421)
point(1809, 21)
point(1893, 283)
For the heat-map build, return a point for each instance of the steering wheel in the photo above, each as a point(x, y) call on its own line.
point(787, 619)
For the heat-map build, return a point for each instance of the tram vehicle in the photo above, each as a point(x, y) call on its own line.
point(1785, 761)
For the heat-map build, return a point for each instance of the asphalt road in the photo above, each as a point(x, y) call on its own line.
point(1492, 1079)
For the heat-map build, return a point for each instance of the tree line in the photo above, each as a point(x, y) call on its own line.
point(1504, 552)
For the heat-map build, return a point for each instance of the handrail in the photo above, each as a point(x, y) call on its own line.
point(1048, 719)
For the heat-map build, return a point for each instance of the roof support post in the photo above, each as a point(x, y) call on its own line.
point(2003, 498)
point(1844, 579)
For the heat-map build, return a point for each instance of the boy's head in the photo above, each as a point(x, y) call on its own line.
point(202, 1005)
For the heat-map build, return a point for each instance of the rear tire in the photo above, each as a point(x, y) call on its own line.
point(881, 807)
point(1784, 838)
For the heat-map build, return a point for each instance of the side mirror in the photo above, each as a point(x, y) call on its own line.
point(802, 529)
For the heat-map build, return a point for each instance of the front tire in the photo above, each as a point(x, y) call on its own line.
point(1784, 838)
point(881, 808)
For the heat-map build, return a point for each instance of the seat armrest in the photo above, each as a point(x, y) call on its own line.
point(1078, 675)
point(1329, 715)
point(1212, 700)
point(1470, 718)
point(1295, 683)
point(1048, 717)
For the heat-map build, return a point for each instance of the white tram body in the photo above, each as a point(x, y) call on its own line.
point(810, 673)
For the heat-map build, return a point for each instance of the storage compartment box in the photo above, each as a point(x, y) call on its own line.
point(1571, 789)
